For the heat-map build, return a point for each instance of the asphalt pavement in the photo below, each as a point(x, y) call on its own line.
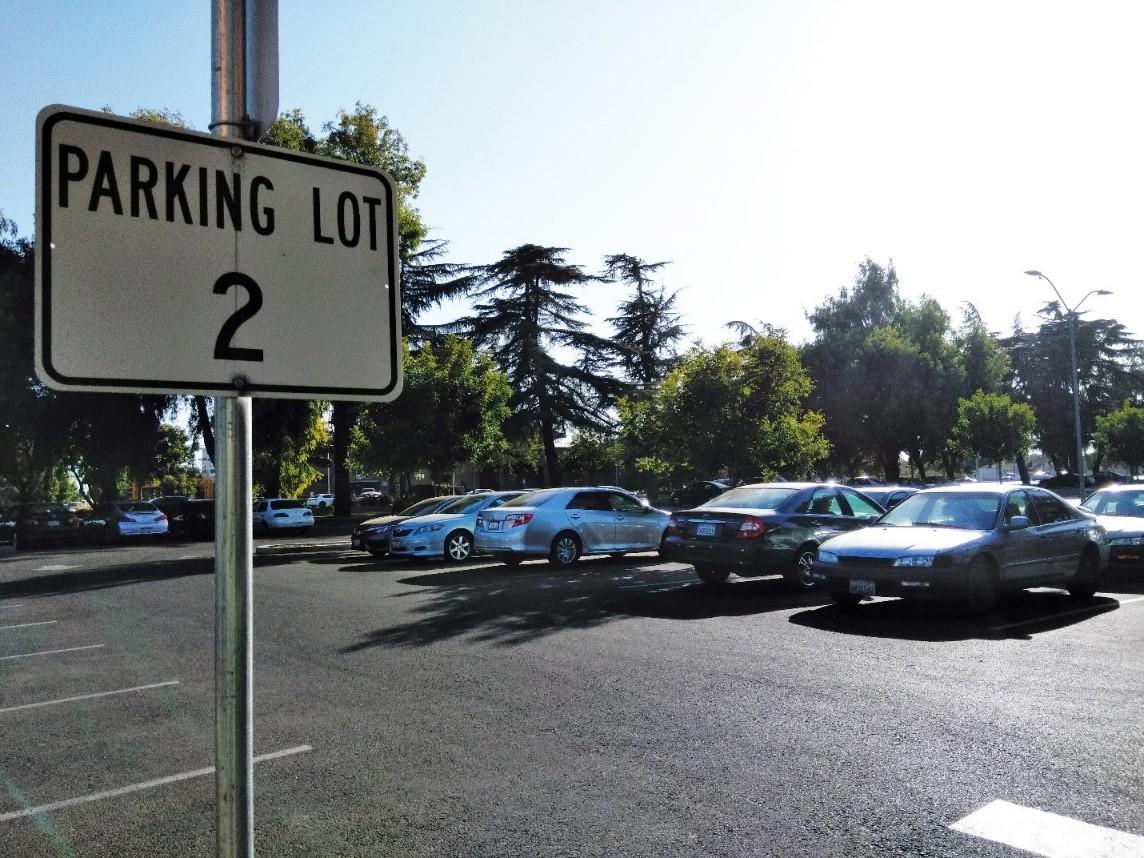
point(620, 708)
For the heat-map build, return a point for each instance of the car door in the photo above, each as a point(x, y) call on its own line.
point(1064, 534)
point(634, 525)
point(593, 519)
point(1026, 549)
point(820, 515)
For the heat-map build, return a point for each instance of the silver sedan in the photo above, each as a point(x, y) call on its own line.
point(563, 524)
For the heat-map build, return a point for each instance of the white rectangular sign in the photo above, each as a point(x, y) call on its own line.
point(170, 261)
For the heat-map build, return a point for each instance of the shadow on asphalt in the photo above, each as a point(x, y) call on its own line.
point(1021, 615)
point(80, 580)
point(511, 606)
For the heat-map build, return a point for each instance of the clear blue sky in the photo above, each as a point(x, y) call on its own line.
point(764, 147)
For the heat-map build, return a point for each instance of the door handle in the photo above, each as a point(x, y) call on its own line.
point(573, 515)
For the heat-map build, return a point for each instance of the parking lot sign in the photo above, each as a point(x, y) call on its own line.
point(176, 262)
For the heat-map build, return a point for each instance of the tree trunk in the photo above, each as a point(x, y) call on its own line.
point(1023, 470)
point(203, 419)
point(551, 475)
point(891, 465)
point(345, 415)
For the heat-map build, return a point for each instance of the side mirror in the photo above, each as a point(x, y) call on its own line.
point(1018, 522)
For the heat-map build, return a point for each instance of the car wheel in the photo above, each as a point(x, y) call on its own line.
point(1087, 571)
point(712, 574)
point(798, 577)
point(846, 601)
point(458, 546)
point(981, 586)
point(565, 549)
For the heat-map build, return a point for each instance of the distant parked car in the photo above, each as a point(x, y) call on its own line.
point(122, 519)
point(968, 543)
point(281, 514)
point(320, 501)
point(373, 496)
point(765, 529)
point(448, 532)
point(1067, 485)
point(41, 523)
point(190, 518)
point(7, 526)
point(698, 493)
point(563, 524)
point(1120, 510)
point(864, 480)
point(888, 497)
point(374, 534)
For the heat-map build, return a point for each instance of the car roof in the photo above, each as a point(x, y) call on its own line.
point(979, 488)
point(791, 486)
point(1116, 488)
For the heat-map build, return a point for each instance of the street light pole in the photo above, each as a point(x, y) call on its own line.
point(1071, 312)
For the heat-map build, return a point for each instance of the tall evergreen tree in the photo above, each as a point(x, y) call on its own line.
point(526, 317)
point(646, 324)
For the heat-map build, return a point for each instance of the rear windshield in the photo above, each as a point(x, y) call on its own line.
point(751, 498)
point(137, 507)
point(285, 504)
point(40, 509)
point(533, 498)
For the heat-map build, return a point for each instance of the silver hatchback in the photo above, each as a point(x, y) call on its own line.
point(562, 524)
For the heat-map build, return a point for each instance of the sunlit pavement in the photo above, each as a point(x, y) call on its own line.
point(620, 708)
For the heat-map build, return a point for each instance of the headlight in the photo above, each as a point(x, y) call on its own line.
point(377, 530)
point(827, 556)
point(918, 560)
point(1127, 540)
point(428, 528)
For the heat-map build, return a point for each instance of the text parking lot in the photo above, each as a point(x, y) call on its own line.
point(616, 708)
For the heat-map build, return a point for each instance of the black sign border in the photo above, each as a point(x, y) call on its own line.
point(48, 120)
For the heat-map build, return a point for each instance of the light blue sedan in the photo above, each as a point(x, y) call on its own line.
point(448, 532)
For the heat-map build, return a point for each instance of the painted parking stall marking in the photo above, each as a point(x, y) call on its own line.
point(51, 651)
point(28, 625)
point(93, 696)
point(1092, 609)
point(1048, 834)
point(137, 787)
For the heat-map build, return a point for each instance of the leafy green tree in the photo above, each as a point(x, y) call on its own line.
point(526, 316)
point(646, 324)
point(1121, 434)
point(452, 408)
point(593, 456)
point(995, 427)
point(739, 410)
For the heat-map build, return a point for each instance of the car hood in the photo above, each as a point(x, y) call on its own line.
point(383, 519)
point(1122, 525)
point(434, 517)
point(891, 541)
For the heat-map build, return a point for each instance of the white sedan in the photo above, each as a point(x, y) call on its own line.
point(282, 514)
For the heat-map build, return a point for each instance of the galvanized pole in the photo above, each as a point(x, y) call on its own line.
point(1076, 401)
point(234, 538)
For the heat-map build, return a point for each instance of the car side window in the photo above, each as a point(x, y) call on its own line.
point(1049, 509)
point(589, 500)
point(623, 503)
point(823, 501)
point(1018, 504)
point(260, 506)
point(859, 506)
point(498, 501)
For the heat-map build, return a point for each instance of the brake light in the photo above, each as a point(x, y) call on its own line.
point(518, 518)
point(751, 528)
point(162, 517)
point(673, 525)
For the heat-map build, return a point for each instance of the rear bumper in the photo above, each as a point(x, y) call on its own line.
point(140, 528)
point(744, 556)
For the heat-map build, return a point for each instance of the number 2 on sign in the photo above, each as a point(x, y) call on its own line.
point(223, 349)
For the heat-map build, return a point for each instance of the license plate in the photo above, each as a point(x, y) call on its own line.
point(53, 524)
point(705, 530)
point(146, 530)
point(861, 587)
point(493, 525)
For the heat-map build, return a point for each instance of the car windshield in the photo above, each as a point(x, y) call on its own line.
point(422, 507)
point(751, 498)
point(463, 505)
point(968, 511)
point(533, 498)
point(1116, 503)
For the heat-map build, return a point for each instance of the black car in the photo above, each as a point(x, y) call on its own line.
point(189, 518)
point(888, 497)
point(42, 523)
point(698, 493)
point(1067, 485)
point(765, 529)
point(7, 526)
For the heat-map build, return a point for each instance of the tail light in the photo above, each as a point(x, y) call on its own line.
point(162, 517)
point(517, 519)
point(673, 526)
point(34, 522)
point(751, 528)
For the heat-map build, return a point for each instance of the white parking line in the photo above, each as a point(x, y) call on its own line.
point(656, 584)
point(20, 605)
point(57, 567)
point(1048, 617)
point(1048, 834)
point(26, 625)
point(157, 782)
point(51, 651)
point(87, 696)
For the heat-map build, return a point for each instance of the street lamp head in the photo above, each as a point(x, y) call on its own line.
point(1102, 292)
point(1034, 273)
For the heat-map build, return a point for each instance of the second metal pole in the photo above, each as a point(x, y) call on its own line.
point(234, 640)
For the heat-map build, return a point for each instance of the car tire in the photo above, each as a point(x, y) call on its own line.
point(565, 550)
point(981, 586)
point(712, 575)
point(1084, 583)
point(846, 601)
point(798, 576)
point(458, 546)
